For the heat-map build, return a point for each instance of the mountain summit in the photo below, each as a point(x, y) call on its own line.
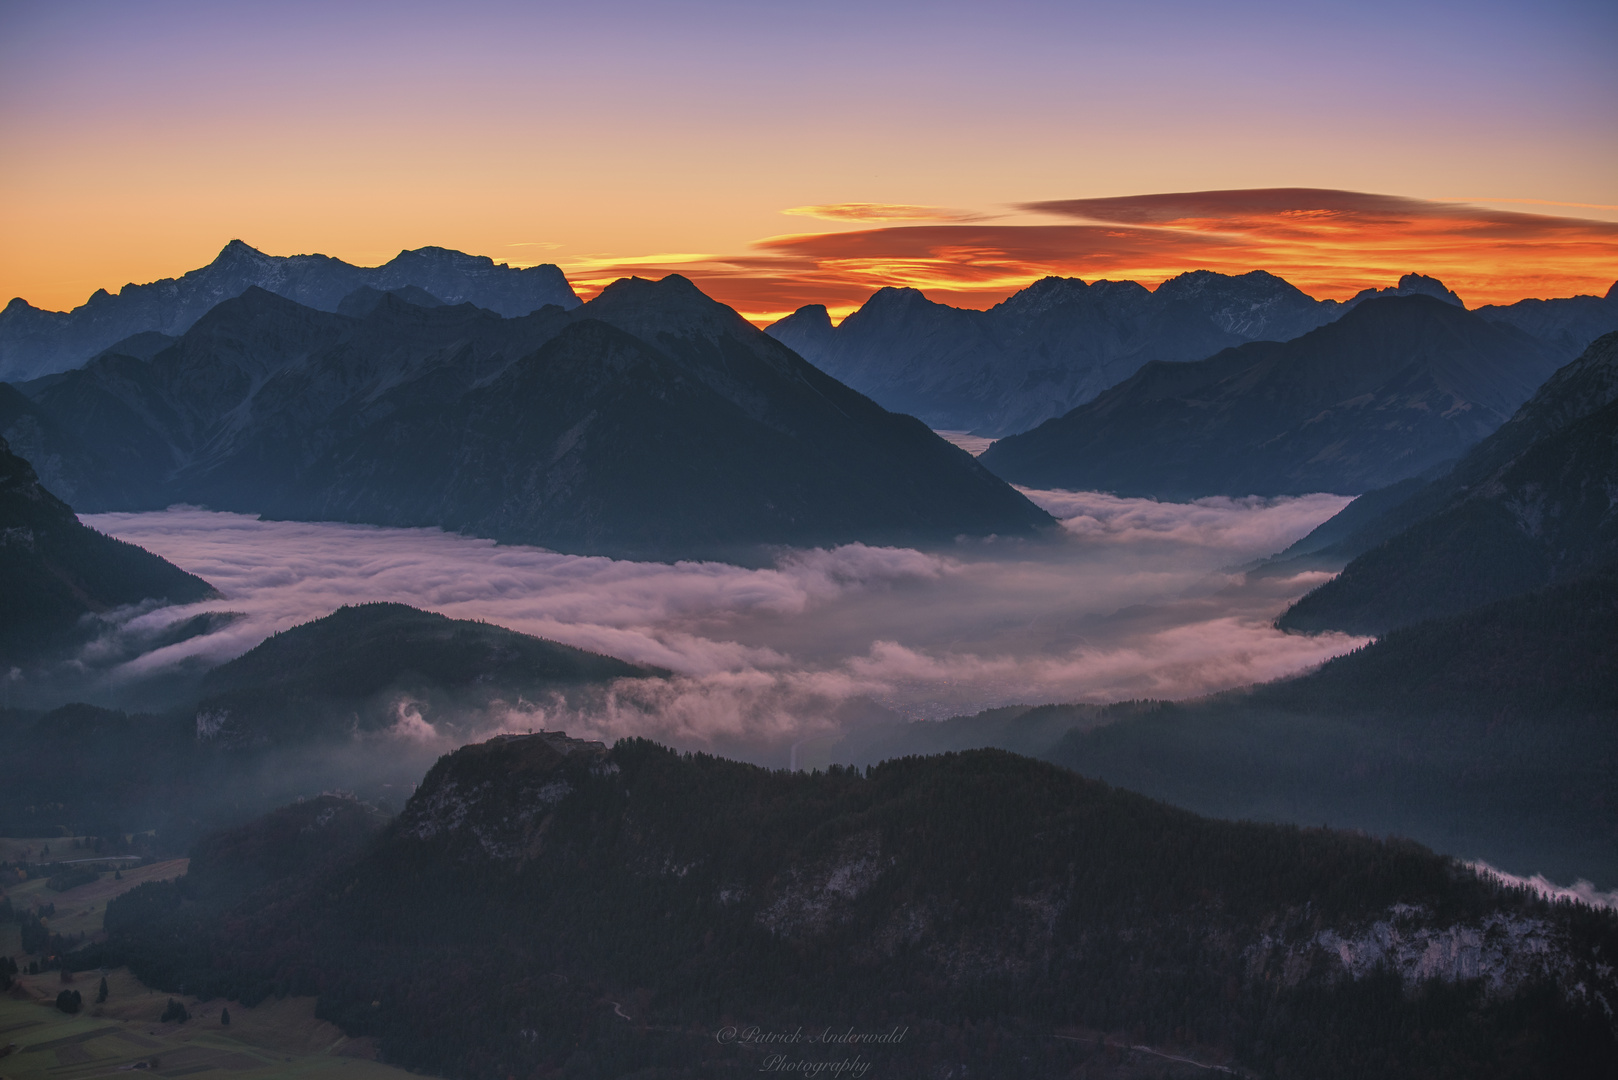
point(651, 422)
point(35, 342)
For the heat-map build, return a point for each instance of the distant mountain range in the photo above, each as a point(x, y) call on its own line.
point(34, 342)
point(1060, 342)
point(1530, 505)
point(56, 572)
point(650, 422)
point(1395, 387)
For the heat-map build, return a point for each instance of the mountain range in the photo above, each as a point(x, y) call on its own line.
point(1397, 386)
point(34, 342)
point(1480, 721)
point(1060, 342)
point(1530, 505)
point(650, 422)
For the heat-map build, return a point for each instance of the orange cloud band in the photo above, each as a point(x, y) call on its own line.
point(1328, 243)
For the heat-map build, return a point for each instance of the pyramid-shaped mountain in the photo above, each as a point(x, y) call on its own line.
point(652, 421)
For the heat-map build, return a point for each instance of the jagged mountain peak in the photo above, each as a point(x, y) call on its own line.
point(238, 248)
point(1413, 285)
point(1196, 282)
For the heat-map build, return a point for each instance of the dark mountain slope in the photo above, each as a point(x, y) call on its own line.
point(1491, 734)
point(257, 389)
point(363, 300)
point(348, 672)
point(54, 570)
point(1050, 347)
point(57, 453)
point(1530, 505)
point(1391, 389)
point(652, 422)
point(542, 903)
point(714, 440)
point(35, 342)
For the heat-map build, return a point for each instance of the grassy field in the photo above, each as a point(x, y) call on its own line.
point(80, 910)
point(275, 1039)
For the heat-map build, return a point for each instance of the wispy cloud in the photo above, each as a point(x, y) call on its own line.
point(866, 211)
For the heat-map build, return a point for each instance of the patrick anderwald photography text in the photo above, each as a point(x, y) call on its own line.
point(801, 1036)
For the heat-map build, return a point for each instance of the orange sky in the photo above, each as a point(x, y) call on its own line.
point(1330, 244)
point(783, 154)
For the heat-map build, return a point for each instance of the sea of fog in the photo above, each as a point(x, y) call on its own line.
point(1140, 599)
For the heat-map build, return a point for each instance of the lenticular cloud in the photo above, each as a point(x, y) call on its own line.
point(1139, 600)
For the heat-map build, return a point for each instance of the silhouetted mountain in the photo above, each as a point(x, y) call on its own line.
point(1059, 343)
point(356, 669)
point(1529, 505)
point(1568, 324)
point(1412, 285)
point(363, 300)
point(1050, 347)
point(652, 421)
point(35, 342)
point(54, 571)
point(543, 903)
point(1388, 391)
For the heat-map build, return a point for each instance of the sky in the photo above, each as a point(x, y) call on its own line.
point(1141, 600)
point(782, 154)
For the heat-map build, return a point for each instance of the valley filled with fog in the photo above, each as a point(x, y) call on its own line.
point(1137, 599)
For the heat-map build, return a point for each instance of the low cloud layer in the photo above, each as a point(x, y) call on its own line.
point(1140, 600)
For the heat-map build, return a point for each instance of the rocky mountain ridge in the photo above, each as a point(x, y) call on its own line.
point(1060, 342)
point(1390, 390)
point(651, 422)
point(35, 342)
